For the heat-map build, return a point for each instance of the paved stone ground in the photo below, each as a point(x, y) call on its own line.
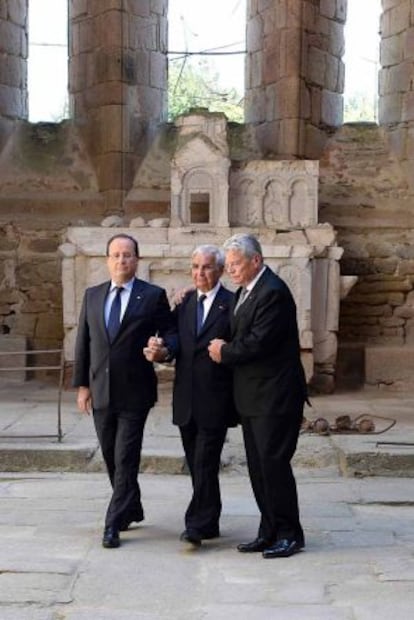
point(359, 559)
point(358, 563)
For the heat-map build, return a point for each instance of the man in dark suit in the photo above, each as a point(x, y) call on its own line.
point(114, 378)
point(270, 391)
point(203, 396)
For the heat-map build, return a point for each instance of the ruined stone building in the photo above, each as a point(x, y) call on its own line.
point(332, 203)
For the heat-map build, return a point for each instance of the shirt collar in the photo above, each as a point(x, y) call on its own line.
point(127, 285)
point(210, 294)
point(254, 281)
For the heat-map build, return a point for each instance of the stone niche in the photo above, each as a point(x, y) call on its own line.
point(200, 172)
point(211, 199)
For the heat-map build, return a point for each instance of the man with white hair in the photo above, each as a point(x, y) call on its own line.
point(203, 406)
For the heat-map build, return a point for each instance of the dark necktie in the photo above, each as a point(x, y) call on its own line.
point(114, 319)
point(200, 312)
point(242, 297)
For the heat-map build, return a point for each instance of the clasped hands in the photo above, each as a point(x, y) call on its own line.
point(155, 351)
point(214, 349)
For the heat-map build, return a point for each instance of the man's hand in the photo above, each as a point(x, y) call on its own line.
point(180, 294)
point(214, 349)
point(84, 400)
point(155, 351)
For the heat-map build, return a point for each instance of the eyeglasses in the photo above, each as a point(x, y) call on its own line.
point(122, 255)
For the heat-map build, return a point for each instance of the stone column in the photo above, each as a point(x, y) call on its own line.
point(13, 65)
point(396, 91)
point(294, 73)
point(117, 84)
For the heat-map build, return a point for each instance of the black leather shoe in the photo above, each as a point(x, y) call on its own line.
point(256, 545)
point(110, 538)
point(191, 536)
point(282, 549)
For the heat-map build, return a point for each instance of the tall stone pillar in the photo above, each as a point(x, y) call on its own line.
point(294, 73)
point(13, 64)
point(117, 84)
point(396, 91)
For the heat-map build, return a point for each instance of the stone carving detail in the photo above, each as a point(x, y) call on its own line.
point(280, 194)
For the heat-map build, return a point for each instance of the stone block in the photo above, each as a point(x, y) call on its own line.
point(110, 30)
point(332, 108)
point(290, 52)
point(289, 136)
point(332, 77)
point(389, 110)
point(408, 107)
point(409, 44)
point(254, 34)
point(391, 51)
point(400, 16)
point(336, 39)
point(158, 70)
point(393, 366)
point(328, 8)
point(287, 98)
point(316, 63)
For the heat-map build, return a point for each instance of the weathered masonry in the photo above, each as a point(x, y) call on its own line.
point(113, 164)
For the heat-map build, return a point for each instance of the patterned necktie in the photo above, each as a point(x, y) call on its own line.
point(200, 312)
point(242, 297)
point(114, 320)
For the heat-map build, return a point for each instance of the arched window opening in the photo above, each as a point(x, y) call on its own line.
point(207, 42)
point(361, 59)
point(48, 61)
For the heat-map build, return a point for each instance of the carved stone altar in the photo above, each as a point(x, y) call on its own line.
point(211, 199)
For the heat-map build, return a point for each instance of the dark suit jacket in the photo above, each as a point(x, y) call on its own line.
point(203, 389)
point(264, 351)
point(118, 373)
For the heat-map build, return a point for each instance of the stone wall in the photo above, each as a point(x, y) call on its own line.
point(13, 65)
point(113, 157)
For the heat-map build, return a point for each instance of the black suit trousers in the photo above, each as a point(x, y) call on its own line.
point(203, 447)
point(270, 443)
point(120, 436)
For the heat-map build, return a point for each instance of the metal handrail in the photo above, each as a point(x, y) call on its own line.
point(60, 368)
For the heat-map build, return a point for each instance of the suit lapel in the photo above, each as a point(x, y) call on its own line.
point(101, 300)
point(135, 299)
point(191, 313)
point(250, 299)
point(218, 306)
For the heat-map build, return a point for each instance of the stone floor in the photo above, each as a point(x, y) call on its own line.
point(357, 509)
point(358, 563)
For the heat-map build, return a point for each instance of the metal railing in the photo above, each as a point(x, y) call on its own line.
point(58, 367)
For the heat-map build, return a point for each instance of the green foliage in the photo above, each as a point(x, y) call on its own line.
point(360, 107)
point(195, 85)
